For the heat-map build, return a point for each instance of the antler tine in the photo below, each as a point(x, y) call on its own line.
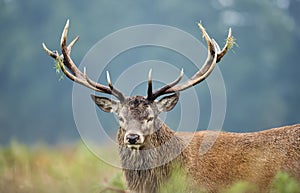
point(73, 43)
point(49, 52)
point(206, 37)
point(75, 74)
point(214, 56)
point(66, 51)
point(149, 93)
point(228, 45)
point(162, 90)
point(114, 91)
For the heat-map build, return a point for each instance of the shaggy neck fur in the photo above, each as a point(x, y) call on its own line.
point(147, 168)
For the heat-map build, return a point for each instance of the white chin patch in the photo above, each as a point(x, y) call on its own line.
point(135, 147)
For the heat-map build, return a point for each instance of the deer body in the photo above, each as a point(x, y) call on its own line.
point(149, 150)
point(253, 157)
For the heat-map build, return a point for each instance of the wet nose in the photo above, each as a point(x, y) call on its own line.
point(132, 138)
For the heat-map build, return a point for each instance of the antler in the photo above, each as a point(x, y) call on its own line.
point(214, 56)
point(75, 74)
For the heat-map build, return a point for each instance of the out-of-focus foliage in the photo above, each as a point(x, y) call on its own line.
point(283, 183)
point(61, 169)
point(261, 73)
point(75, 169)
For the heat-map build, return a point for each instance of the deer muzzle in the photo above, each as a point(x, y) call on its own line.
point(134, 140)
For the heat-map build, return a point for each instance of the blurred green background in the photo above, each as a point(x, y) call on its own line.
point(261, 73)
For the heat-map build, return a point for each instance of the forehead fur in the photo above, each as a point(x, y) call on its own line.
point(137, 107)
point(137, 101)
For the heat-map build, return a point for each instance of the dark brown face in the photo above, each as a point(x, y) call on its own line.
point(137, 115)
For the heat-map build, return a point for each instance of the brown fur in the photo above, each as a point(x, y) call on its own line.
point(253, 157)
point(139, 166)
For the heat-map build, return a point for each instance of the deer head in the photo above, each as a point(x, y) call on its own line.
point(138, 115)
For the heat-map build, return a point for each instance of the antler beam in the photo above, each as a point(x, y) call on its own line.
point(65, 62)
point(214, 56)
point(74, 73)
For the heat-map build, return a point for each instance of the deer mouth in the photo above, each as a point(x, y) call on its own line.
point(135, 146)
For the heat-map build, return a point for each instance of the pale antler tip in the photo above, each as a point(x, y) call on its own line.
point(199, 24)
point(181, 72)
point(84, 72)
point(66, 28)
point(204, 34)
point(149, 92)
point(230, 41)
point(50, 53)
point(229, 33)
point(201, 27)
point(67, 23)
point(63, 39)
point(73, 42)
point(44, 46)
point(180, 75)
point(108, 78)
point(150, 74)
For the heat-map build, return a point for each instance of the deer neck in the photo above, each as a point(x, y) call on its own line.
point(147, 168)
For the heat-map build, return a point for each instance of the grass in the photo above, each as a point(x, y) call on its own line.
point(43, 169)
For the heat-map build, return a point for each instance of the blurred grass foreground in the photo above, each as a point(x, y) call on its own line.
point(75, 169)
point(46, 169)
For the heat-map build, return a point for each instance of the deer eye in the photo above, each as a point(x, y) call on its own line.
point(150, 119)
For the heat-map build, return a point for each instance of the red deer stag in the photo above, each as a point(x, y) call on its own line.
point(149, 149)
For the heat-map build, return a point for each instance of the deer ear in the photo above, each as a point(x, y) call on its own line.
point(167, 103)
point(105, 104)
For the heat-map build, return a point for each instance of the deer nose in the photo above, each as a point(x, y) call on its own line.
point(132, 138)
